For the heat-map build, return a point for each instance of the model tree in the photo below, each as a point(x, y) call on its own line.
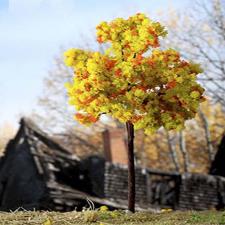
point(133, 81)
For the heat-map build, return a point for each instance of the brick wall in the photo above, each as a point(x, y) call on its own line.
point(201, 192)
point(116, 183)
point(195, 191)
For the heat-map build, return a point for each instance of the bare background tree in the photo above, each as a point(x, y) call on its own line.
point(199, 32)
point(183, 149)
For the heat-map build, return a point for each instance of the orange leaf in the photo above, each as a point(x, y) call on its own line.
point(184, 63)
point(110, 64)
point(113, 95)
point(92, 119)
point(85, 75)
point(143, 88)
point(171, 84)
point(151, 31)
point(127, 45)
point(151, 63)
point(122, 92)
point(138, 59)
point(155, 43)
point(134, 32)
point(99, 39)
point(87, 87)
point(118, 73)
point(78, 91)
point(79, 116)
point(136, 118)
point(87, 101)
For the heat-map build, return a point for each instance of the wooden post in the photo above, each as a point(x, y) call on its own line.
point(131, 169)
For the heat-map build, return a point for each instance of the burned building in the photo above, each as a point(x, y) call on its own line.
point(37, 173)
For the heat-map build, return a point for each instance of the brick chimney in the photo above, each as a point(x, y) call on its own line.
point(115, 146)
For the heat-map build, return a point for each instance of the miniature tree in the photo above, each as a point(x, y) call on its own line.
point(133, 81)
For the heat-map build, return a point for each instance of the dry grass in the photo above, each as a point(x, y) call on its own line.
point(112, 217)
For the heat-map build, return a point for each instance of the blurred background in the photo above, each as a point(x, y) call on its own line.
point(33, 36)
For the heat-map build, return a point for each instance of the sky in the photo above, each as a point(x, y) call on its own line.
point(32, 32)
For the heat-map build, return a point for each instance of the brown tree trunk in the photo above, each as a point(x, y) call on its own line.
point(131, 169)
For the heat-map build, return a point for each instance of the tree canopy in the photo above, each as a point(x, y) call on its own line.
point(134, 80)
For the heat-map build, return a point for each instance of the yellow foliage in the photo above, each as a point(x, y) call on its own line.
point(48, 222)
point(103, 208)
point(150, 91)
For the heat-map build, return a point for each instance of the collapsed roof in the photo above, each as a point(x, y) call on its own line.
point(36, 172)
